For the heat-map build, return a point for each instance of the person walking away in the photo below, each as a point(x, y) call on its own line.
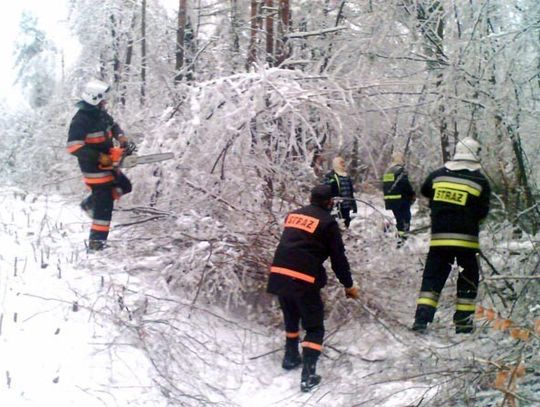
point(342, 186)
point(399, 195)
point(297, 275)
point(458, 196)
point(98, 142)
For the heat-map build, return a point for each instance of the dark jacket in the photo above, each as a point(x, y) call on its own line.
point(310, 236)
point(396, 187)
point(91, 132)
point(342, 186)
point(459, 200)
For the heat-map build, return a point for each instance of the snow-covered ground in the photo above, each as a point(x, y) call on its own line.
point(107, 329)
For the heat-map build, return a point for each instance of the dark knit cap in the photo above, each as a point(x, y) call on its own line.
point(321, 193)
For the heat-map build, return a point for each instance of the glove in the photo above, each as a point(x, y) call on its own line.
point(105, 160)
point(123, 140)
point(352, 292)
point(130, 147)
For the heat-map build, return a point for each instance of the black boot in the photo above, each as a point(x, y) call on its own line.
point(96, 245)
point(309, 379)
point(423, 316)
point(292, 357)
point(87, 205)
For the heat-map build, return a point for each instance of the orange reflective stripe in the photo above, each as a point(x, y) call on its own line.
point(73, 148)
point(100, 180)
point(95, 140)
point(312, 345)
point(292, 335)
point(293, 274)
point(100, 228)
point(302, 222)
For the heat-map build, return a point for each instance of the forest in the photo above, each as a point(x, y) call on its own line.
point(255, 98)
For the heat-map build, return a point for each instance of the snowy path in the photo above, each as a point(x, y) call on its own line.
point(55, 350)
point(91, 330)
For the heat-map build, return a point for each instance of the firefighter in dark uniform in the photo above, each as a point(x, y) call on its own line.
point(98, 143)
point(310, 236)
point(459, 200)
point(342, 187)
point(399, 195)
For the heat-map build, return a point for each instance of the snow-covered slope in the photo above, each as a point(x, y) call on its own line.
point(110, 329)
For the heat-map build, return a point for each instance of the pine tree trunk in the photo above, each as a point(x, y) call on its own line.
point(235, 27)
point(128, 60)
point(143, 52)
point(282, 47)
point(180, 33)
point(270, 32)
point(116, 52)
point(252, 50)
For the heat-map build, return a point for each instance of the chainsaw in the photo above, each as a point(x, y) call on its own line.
point(133, 160)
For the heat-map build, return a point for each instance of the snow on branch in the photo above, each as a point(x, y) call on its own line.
point(305, 34)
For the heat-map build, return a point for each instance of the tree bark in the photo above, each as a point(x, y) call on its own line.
point(252, 50)
point(270, 32)
point(116, 52)
point(129, 59)
point(143, 52)
point(180, 34)
point(282, 47)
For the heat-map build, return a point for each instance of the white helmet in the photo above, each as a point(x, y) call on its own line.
point(94, 92)
point(467, 149)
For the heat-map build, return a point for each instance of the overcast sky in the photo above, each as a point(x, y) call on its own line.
point(51, 16)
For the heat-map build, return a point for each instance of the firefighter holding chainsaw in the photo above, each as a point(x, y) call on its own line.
point(99, 145)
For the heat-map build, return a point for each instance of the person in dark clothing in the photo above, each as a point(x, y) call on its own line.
point(98, 143)
point(399, 195)
point(342, 187)
point(310, 236)
point(459, 200)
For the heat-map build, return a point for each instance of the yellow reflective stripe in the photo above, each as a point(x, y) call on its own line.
point(390, 177)
point(466, 307)
point(429, 294)
point(454, 243)
point(458, 180)
point(392, 196)
point(459, 187)
point(336, 177)
point(427, 301)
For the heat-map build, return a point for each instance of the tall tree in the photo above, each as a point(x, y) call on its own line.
point(253, 34)
point(282, 46)
point(269, 10)
point(143, 51)
point(180, 35)
point(35, 62)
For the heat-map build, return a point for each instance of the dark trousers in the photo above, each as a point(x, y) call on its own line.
point(344, 212)
point(103, 197)
point(437, 269)
point(307, 309)
point(402, 213)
